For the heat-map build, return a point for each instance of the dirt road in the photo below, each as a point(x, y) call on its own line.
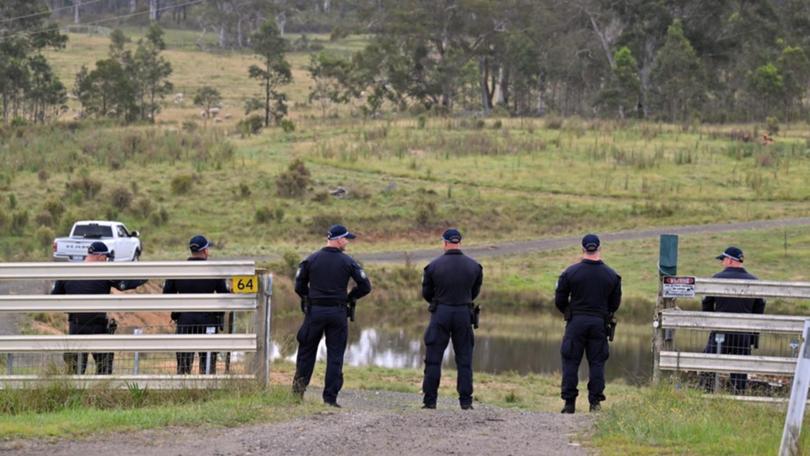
point(540, 245)
point(370, 423)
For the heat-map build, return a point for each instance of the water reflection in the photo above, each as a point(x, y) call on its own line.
point(524, 343)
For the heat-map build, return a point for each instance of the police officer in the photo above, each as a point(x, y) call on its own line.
point(321, 281)
point(588, 293)
point(91, 322)
point(450, 284)
point(735, 343)
point(196, 322)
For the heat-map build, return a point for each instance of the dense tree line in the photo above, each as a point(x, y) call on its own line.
point(28, 86)
point(661, 59)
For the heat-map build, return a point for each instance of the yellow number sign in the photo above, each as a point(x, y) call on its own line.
point(245, 284)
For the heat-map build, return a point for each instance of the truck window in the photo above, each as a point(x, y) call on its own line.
point(122, 232)
point(92, 231)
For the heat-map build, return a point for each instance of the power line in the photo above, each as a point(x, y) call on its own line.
point(108, 19)
point(48, 12)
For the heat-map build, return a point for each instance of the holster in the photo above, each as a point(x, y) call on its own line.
point(432, 307)
point(305, 305)
point(350, 309)
point(112, 326)
point(475, 311)
point(610, 327)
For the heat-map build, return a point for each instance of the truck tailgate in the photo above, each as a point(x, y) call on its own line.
point(73, 247)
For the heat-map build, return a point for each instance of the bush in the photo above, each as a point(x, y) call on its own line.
point(287, 125)
point(121, 198)
point(426, 213)
point(181, 184)
point(44, 236)
point(295, 181)
point(264, 215)
point(55, 207)
point(19, 220)
point(4, 219)
point(142, 207)
point(161, 217)
point(250, 125)
point(12, 201)
point(86, 186)
point(554, 123)
point(44, 219)
point(772, 124)
point(421, 122)
point(43, 175)
point(244, 190)
point(320, 223)
point(290, 261)
point(497, 125)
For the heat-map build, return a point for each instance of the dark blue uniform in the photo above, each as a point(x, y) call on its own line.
point(587, 293)
point(450, 284)
point(323, 279)
point(196, 322)
point(735, 343)
point(90, 322)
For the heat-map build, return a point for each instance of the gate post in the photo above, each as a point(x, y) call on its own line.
point(798, 398)
point(667, 266)
point(263, 314)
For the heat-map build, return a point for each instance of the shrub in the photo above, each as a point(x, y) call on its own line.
point(43, 175)
point(142, 207)
point(161, 217)
point(554, 122)
point(244, 190)
point(772, 124)
point(421, 122)
point(4, 219)
point(19, 220)
point(426, 213)
point(320, 223)
point(44, 236)
point(250, 125)
point(12, 201)
point(287, 125)
point(121, 198)
point(182, 183)
point(86, 186)
point(497, 125)
point(55, 207)
point(295, 181)
point(264, 215)
point(44, 218)
point(290, 261)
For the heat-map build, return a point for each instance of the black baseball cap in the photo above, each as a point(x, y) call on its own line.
point(452, 236)
point(590, 243)
point(98, 248)
point(732, 252)
point(198, 243)
point(339, 231)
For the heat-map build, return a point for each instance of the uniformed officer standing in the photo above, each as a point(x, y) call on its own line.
point(734, 343)
point(588, 293)
point(196, 322)
point(91, 322)
point(321, 281)
point(450, 284)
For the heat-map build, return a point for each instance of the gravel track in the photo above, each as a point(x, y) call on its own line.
point(370, 423)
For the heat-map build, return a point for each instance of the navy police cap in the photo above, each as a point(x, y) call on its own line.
point(452, 236)
point(732, 252)
point(339, 231)
point(198, 243)
point(590, 243)
point(98, 248)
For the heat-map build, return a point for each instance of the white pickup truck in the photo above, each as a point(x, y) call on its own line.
point(123, 244)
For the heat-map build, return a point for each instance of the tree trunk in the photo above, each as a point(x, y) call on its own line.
point(281, 22)
point(133, 6)
point(267, 98)
point(222, 41)
point(76, 5)
point(486, 98)
point(154, 7)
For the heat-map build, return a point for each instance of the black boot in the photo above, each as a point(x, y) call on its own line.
point(570, 407)
point(298, 389)
point(595, 407)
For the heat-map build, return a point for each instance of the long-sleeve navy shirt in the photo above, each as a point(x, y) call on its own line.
point(453, 279)
point(324, 278)
point(734, 305)
point(589, 287)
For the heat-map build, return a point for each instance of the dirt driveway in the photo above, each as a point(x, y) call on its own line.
point(370, 423)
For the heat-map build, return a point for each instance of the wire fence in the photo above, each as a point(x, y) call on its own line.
point(736, 343)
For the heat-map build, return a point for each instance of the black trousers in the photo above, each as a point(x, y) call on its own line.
point(329, 321)
point(584, 334)
point(77, 362)
point(185, 360)
point(734, 344)
point(449, 323)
